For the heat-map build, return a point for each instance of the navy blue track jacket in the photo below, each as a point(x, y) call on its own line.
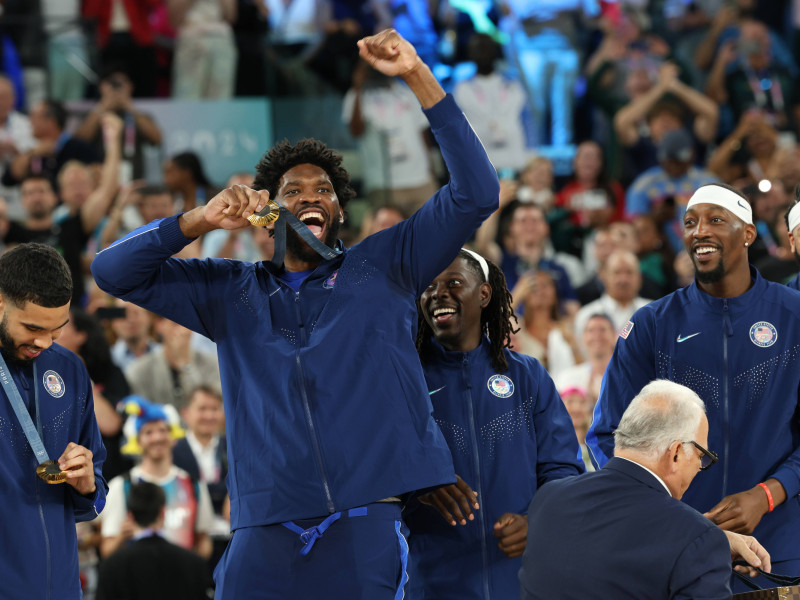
point(742, 357)
point(509, 434)
point(38, 544)
point(325, 401)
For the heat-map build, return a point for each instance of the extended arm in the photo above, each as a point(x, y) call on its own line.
point(96, 205)
point(706, 111)
point(715, 85)
point(626, 120)
point(416, 250)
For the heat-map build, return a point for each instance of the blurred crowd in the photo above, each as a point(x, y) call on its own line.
point(652, 99)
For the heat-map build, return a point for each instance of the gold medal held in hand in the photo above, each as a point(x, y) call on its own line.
point(50, 472)
point(266, 216)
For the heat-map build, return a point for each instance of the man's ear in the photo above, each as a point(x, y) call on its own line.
point(486, 294)
point(674, 451)
point(749, 235)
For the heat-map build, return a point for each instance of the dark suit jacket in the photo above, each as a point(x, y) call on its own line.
point(153, 569)
point(183, 458)
point(617, 533)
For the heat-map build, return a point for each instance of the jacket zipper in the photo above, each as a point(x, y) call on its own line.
point(727, 330)
point(46, 542)
point(477, 464)
point(47, 551)
point(307, 408)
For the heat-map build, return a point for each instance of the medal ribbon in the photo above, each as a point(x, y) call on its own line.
point(303, 231)
point(24, 417)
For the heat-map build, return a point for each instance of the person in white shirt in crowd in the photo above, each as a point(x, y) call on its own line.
point(493, 104)
point(384, 117)
point(599, 338)
point(622, 280)
point(203, 454)
point(205, 51)
point(152, 431)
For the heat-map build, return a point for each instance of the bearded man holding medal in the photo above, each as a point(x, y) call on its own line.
point(328, 419)
point(50, 474)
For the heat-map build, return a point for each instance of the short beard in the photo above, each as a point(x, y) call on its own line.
point(713, 276)
point(40, 214)
point(301, 250)
point(9, 346)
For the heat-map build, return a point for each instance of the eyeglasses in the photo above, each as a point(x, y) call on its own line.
point(708, 458)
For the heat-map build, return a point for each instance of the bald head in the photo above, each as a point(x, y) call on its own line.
point(621, 276)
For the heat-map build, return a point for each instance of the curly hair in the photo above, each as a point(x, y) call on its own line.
point(495, 318)
point(284, 156)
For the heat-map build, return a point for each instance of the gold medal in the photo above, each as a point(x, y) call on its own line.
point(50, 472)
point(266, 216)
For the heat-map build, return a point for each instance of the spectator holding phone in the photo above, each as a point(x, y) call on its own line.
point(116, 95)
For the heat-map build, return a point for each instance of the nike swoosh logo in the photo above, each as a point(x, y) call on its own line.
point(434, 391)
point(739, 202)
point(680, 339)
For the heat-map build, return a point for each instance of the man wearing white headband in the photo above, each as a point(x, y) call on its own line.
point(731, 336)
point(793, 224)
point(506, 427)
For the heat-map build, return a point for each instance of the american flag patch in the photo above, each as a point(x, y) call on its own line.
point(625, 332)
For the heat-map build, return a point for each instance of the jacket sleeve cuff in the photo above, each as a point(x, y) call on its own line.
point(171, 235)
point(442, 112)
point(91, 505)
point(790, 480)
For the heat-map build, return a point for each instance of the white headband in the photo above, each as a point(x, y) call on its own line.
point(716, 194)
point(481, 261)
point(794, 217)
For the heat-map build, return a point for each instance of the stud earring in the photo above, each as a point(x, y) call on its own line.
point(745, 244)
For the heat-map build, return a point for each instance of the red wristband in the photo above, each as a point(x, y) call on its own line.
point(765, 487)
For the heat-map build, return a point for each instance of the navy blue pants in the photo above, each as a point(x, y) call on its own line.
point(362, 554)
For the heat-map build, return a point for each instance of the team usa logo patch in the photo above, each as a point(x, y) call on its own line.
point(501, 386)
point(626, 331)
point(330, 281)
point(763, 334)
point(53, 384)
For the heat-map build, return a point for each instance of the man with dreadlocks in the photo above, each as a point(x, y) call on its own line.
point(328, 421)
point(507, 429)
